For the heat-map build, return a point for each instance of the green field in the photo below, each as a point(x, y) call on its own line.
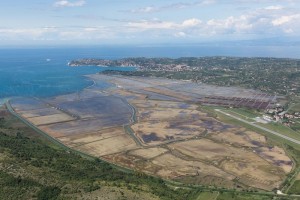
point(282, 129)
point(295, 188)
point(246, 112)
point(294, 106)
point(208, 196)
point(235, 196)
point(241, 115)
point(296, 125)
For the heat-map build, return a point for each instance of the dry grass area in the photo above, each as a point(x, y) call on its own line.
point(129, 94)
point(81, 139)
point(39, 112)
point(149, 153)
point(165, 121)
point(237, 161)
point(154, 133)
point(72, 128)
point(172, 167)
point(141, 103)
point(243, 139)
point(168, 92)
point(107, 146)
point(240, 137)
point(50, 119)
point(277, 157)
point(154, 114)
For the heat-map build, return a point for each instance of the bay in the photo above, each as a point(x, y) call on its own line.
point(43, 72)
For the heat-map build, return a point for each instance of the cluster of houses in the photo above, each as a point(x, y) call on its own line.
point(278, 114)
point(166, 67)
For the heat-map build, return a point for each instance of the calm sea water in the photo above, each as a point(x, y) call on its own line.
point(44, 72)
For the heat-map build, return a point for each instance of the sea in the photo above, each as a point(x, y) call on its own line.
point(43, 72)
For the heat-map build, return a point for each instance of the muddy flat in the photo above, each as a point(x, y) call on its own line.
point(157, 126)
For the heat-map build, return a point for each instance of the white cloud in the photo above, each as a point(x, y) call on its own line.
point(147, 9)
point(260, 1)
point(207, 2)
point(272, 20)
point(91, 29)
point(285, 19)
point(191, 22)
point(157, 24)
point(27, 32)
point(180, 34)
point(231, 25)
point(268, 21)
point(274, 8)
point(289, 30)
point(151, 24)
point(65, 3)
point(55, 33)
point(177, 5)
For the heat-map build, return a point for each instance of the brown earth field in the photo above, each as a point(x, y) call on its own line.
point(127, 125)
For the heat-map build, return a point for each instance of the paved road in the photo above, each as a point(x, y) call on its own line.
point(260, 127)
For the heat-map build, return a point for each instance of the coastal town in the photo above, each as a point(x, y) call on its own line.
point(279, 76)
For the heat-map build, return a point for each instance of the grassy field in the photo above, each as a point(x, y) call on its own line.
point(234, 196)
point(208, 196)
point(294, 106)
point(246, 112)
point(282, 129)
point(295, 189)
point(241, 115)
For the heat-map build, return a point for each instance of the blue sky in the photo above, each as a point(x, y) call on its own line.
point(147, 22)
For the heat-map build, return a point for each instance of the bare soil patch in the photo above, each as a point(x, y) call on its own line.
point(107, 146)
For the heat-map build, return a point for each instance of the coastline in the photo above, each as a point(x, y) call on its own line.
point(89, 82)
point(88, 77)
point(4, 100)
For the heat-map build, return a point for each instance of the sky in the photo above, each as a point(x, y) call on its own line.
point(97, 22)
